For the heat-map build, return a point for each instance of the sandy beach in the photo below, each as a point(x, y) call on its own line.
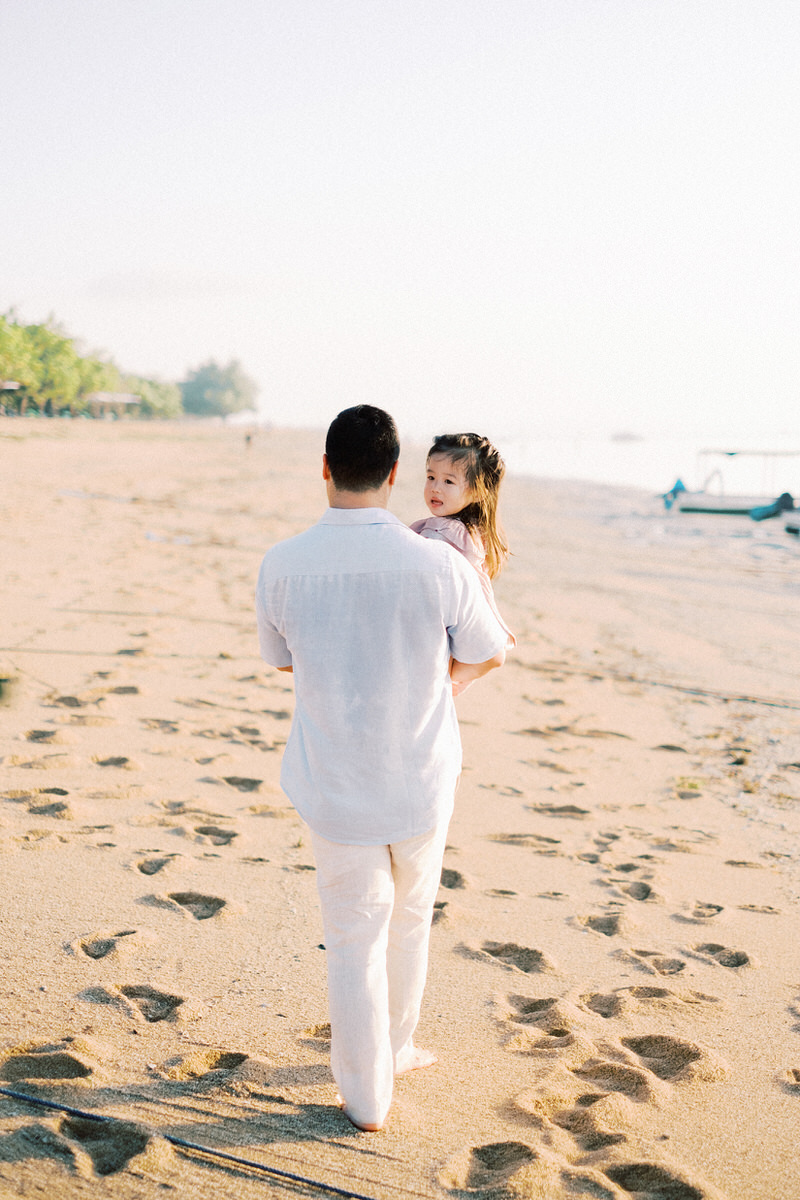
point(614, 986)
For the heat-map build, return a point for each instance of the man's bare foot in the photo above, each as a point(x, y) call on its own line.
point(414, 1059)
point(364, 1128)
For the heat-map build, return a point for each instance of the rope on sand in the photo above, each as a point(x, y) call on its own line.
point(183, 1144)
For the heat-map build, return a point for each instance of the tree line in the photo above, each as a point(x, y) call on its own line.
point(53, 378)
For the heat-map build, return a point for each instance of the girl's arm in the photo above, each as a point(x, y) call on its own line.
point(463, 674)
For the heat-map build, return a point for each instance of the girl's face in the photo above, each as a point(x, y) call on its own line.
point(446, 490)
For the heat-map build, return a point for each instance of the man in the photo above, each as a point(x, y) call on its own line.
point(379, 627)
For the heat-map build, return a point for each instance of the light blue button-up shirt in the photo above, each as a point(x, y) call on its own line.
point(368, 614)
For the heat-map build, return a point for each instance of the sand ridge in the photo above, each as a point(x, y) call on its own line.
point(614, 989)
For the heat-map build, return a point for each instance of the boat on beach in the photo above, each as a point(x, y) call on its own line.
point(712, 498)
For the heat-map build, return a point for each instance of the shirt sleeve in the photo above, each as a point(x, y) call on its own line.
point(272, 643)
point(474, 632)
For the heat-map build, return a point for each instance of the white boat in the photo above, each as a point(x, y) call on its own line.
point(712, 498)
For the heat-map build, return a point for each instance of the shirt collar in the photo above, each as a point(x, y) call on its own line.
point(359, 516)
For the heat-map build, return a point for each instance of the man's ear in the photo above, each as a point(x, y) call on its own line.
point(393, 473)
point(326, 471)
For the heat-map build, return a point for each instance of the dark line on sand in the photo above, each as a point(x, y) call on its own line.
point(209, 1151)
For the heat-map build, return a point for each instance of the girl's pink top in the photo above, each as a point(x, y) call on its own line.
point(457, 535)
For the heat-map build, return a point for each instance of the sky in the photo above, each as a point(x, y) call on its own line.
point(504, 215)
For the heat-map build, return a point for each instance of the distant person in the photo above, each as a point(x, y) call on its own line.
point(462, 484)
point(380, 627)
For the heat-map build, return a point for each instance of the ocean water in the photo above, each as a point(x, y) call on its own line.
point(655, 462)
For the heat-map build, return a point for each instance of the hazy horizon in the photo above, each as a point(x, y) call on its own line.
point(528, 216)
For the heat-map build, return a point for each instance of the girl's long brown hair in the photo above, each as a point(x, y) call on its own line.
point(483, 471)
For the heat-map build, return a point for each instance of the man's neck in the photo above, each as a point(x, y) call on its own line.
point(338, 498)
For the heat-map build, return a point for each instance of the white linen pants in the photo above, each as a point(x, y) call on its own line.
point(377, 903)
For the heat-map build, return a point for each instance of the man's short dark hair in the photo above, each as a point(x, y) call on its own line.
point(362, 446)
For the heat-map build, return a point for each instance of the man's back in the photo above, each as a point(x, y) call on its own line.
point(368, 614)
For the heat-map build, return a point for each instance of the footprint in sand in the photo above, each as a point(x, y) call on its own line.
point(638, 890)
point(160, 725)
point(584, 1123)
point(216, 835)
point(151, 866)
point(596, 1120)
point(656, 962)
point(201, 907)
point(318, 1033)
point(242, 783)
point(152, 1004)
point(271, 810)
point(714, 952)
point(519, 958)
point(100, 946)
point(528, 1010)
point(609, 924)
point(633, 1082)
point(208, 1065)
point(452, 879)
point(673, 1059)
point(59, 809)
point(548, 765)
point(530, 841)
point(43, 736)
point(112, 1145)
point(559, 810)
point(51, 1061)
point(651, 1181)
point(792, 1080)
point(641, 999)
point(501, 789)
point(485, 1168)
point(702, 912)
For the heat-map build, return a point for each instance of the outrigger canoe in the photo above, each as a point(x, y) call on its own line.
point(759, 507)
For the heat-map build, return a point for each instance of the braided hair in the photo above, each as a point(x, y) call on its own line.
point(483, 471)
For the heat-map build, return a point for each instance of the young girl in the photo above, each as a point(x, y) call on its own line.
point(464, 472)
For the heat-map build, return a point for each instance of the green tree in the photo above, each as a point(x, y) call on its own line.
point(214, 391)
point(98, 375)
point(159, 399)
point(17, 362)
point(57, 365)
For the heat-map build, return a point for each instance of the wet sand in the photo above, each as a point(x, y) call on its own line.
point(614, 990)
